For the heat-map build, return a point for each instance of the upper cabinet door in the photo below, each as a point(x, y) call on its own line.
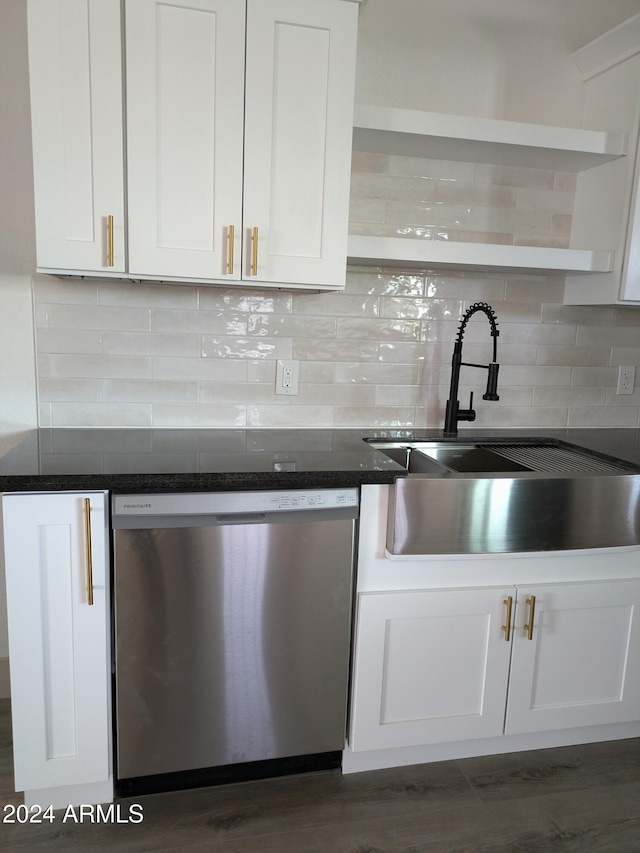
point(185, 103)
point(76, 116)
point(300, 74)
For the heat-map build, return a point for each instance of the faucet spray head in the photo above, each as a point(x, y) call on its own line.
point(492, 382)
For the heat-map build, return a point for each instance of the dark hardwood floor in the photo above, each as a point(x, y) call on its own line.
point(582, 798)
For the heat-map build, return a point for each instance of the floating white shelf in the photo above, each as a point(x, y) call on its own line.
point(478, 257)
point(442, 136)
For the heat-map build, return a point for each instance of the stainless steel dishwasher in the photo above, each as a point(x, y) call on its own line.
point(232, 634)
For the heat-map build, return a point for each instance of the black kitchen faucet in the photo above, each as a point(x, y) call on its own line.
point(453, 412)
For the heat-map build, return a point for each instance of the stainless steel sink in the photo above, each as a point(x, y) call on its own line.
point(497, 456)
point(504, 496)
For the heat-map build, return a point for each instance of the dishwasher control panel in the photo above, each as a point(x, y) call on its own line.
point(228, 503)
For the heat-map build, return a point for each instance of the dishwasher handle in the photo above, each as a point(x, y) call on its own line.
point(158, 522)
point(241, 518)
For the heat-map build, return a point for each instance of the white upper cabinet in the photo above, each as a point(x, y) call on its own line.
point(607, 210)
point(185, 93)
point(300, 72)
point(76, 117)
point(239, 117)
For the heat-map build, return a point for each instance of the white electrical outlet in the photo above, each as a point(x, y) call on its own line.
point(626, 380)
point(287, 373)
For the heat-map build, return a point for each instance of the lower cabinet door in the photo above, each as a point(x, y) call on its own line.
point(577, 661)
point(58, 638)
point(430, 666)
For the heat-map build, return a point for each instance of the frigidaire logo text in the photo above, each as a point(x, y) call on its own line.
point(137, 506)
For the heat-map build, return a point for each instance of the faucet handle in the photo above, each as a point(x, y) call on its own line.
point(467, 414)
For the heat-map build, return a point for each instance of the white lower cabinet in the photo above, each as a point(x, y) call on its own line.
point(439, 666)
point(579, 664)
point(430, 667)
point(58, 606)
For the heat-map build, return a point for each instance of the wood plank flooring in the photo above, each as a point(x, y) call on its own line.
point(582, 798)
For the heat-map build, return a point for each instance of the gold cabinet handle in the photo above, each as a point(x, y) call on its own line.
point(531, 601)
point(110, 240)
point(254, 251)
point(87, 545)
point(230, 242)
point(508, 601)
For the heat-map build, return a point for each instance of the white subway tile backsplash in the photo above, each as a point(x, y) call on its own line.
point(539, 289)
point(222, 299)
point(450, 170)
point(47, 289)
point(129, 294)
point(69, 340)
point(376, 186)
point(465, 202)
point(582, 356)
point(624, 336)
point(70, 390)
point(376, 374)
point(370, 163)
point(283, 416)
point(105, 414)
point(378, 355)
point(557, 396)
point(136, 343)
point(401, 330)
point(375, 416)
point(594, 377)
point(199, 415)
point(604, 417)
point(190, 369)
point(361, 280)
point(98, 367)
point(554, 201)
point(314, 349)
point(420, 309)
point(134, 391)
point(335, 305)
point(475, 194)
point(514, 176)
point(253, 347)
point(61, 316)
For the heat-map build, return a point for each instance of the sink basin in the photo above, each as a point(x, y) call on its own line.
point(508, 496)
point(499, 456)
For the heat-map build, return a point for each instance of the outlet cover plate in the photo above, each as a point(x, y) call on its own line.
point(626, 379)
point(287, 374)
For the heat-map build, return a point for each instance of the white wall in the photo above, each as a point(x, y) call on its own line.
point(506, 59)
point(17, 247)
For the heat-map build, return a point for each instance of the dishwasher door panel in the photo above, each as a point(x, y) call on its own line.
point(232, 643)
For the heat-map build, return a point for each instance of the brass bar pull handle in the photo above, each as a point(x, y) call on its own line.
point(531, 601)
point(230, 243)
point(507, 625)
point(110, 240)
point(254, 251)
point(87, 545)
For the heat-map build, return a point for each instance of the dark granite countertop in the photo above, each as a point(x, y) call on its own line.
point(139, 460)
